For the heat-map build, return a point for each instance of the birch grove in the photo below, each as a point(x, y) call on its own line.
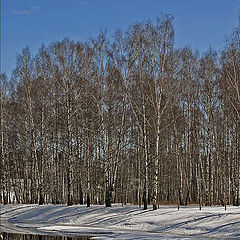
point(122, 119)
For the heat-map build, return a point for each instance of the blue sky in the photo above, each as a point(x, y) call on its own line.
point(198, 23)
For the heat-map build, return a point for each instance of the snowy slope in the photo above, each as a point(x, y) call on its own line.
point(130, 222)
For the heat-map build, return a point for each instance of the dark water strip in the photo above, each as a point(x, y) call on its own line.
point(17, 236)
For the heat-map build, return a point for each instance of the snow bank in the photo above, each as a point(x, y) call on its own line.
point(130, 222)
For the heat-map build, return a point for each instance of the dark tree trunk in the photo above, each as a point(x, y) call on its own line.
point(88, 200)
point(187, 198)
point(41, 197)
point(80, 197)
point(145, 204)
point(108, 199)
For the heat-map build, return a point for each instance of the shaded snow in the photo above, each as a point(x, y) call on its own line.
point(129, 222)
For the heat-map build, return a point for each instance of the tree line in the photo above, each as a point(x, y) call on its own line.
point(126, 119)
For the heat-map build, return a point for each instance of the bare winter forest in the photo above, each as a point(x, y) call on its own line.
point(127, 119)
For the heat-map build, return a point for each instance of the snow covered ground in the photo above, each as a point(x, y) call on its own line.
point(127, 222)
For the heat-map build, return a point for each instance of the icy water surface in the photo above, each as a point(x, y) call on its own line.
point(16, 236)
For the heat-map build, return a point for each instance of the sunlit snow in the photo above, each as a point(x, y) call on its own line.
point(127, 222)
